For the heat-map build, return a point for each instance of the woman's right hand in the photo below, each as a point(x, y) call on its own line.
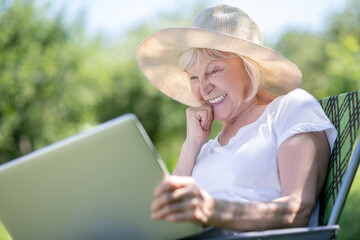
point(199, 120)
point(179, 199)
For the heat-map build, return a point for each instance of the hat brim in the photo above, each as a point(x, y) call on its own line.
point(158, 57)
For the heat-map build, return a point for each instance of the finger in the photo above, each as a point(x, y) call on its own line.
point(169, 209)
point(188, 191)
point(177, 195)
point(201, 116)
point(195, 216)
point(208, 124)
point(209, 117)
point(169, 190)
point(205, 119)
point(181, 205)
point(172, 182)
point(162, 201)
point(164, 186)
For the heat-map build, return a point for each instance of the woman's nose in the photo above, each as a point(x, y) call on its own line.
point(205, 86)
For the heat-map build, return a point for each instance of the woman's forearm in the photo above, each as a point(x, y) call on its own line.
point(187, 159)
point(283, 213)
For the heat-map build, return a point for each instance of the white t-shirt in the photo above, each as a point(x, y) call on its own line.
point(246, 169)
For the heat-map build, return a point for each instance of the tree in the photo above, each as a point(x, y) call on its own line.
point(57, 81)
point(39, 60)
point(343, 50)
point(329, 60)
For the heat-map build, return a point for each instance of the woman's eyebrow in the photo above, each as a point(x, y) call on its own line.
point(206, 68)
point(211, 66)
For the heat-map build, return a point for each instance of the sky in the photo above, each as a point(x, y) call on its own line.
point(115, 17)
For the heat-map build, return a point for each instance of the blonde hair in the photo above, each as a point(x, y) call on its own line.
point(188, 57)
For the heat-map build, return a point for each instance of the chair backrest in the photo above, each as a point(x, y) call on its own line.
point(344, 112)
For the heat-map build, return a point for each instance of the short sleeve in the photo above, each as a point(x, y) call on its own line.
point(300, 112)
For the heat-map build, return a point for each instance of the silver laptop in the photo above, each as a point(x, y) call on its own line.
point(95, 185)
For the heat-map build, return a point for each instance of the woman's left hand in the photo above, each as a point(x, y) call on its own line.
point(178, 198)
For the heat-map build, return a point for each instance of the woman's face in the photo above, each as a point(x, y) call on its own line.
point(224, 84)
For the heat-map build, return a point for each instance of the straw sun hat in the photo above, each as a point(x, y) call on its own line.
point(224, 28)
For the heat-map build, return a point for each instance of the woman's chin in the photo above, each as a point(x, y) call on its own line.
point(220, 116)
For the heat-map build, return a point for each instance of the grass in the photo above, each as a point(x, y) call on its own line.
point(350, 217)
point(349, 221)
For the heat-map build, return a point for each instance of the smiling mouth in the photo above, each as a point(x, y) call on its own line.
point(218, 99)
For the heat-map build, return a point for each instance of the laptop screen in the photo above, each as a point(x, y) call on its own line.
point(95, 185)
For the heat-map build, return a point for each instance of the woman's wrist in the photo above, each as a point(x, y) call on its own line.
point(195, 144)
point(217, 212)
point(225, 213)
point(209, 209)
point(189, 153)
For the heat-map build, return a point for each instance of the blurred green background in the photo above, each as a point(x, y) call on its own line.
point(57, 80)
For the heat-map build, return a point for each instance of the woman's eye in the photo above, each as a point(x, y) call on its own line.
point(193, 78)
point(214, 71)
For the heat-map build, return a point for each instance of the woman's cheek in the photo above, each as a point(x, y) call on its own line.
point(195, 89)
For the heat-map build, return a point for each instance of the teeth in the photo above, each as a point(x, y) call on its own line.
point(218, 99)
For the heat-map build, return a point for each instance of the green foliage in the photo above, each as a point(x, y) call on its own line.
point(57, 82)
point(309, 55)
point(343, 49)
point(39, 58)
point(330, 60)
point(350, 217)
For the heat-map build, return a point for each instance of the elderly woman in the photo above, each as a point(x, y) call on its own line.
point(266, 167)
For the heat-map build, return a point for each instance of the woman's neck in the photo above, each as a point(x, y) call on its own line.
point(252, 113)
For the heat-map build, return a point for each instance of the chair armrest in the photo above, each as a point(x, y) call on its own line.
point(319, 233)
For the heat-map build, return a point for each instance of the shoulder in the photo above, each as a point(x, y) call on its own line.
point(297, 101)
point(298, 96)
point(299, 112)
point(298, 104)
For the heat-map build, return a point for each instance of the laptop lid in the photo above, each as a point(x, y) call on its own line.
point(94, 185)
